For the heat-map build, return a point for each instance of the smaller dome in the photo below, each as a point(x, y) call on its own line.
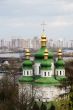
point(46, 50)
point(27, 53)
point(59, 53)
point(59, 50)
point(27, 63)
point(46, 64)
point(60, 63)
point(27, 50)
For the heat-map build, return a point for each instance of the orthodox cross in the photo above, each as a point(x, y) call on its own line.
point(43, 26)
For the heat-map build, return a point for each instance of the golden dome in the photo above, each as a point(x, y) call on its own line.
point(46, 50)
point(27, 50)
point(43, 40)
point(46, 54)
point(60, 53)
point(59, 50)
point(27, 53)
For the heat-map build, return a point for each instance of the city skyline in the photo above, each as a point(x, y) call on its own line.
point(24, 18)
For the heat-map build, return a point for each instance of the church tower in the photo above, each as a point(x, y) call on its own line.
point(45, 68)
point(60, 65)
point(40, 54)
point(27, 64)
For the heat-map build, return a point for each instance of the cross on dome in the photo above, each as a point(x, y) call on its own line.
point(43, 26)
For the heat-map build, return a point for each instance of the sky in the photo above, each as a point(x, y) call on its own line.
point(23, 18)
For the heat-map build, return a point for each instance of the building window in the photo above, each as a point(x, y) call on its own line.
point(48, 73)
point(57, 72)
point(39, 99)
point(63, 72)
point(60, 72)
point(44, 73)
point(24, 72)
point(27, 72)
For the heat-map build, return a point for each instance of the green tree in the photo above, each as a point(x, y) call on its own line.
point(43, 107)
point(35, 106)
point(52, 107)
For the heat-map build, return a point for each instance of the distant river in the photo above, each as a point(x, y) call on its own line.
point(19, 55)
point(11, 55)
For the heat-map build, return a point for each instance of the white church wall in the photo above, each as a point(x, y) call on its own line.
point(28, 72)
point(46, 73)
point(52, 67)
point(60, 72)
point(47, 93)
point(37, 68)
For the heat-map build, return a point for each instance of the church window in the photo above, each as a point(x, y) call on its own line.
point(48, 73)
point(27, 72)
point(63, 72)
point(44, 73)
point(57, 72)
point(39, 99)
point(24, 72)
point(30, 72)
point(60, 72)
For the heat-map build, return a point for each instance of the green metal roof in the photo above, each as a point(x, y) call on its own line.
point(60, 64)
point(26, 79)
point(27, 64)
point(40, 53)
point(50, 81)
point(46, 65)
point(42, 81)
point(61, 78)
point(45, 68)
point(47, 80)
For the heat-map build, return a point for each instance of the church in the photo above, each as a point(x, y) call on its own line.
point(43, 77)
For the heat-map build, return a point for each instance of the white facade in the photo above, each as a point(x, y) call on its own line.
point(46, 73)
point(47, 93)
point(37, 68)
point(52, 67)
point(60, 72)
point(27, 72)
point(38, 71)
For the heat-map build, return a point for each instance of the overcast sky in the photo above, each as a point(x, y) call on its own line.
point(23, 18)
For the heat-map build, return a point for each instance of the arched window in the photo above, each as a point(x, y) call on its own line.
point(57, 72)
point(24, 72)
point(44, 73)
point(63, 73)
point(27, 72)
point(60, 72)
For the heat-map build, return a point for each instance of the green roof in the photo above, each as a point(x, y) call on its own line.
point(42, 81)
point(47, 80)
point(26, 79)
point(27, 64)
point(46, 64)
point(40, 53)
point(60, 64)
point(61, 78)
point(45, 68)
point(50, 81)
